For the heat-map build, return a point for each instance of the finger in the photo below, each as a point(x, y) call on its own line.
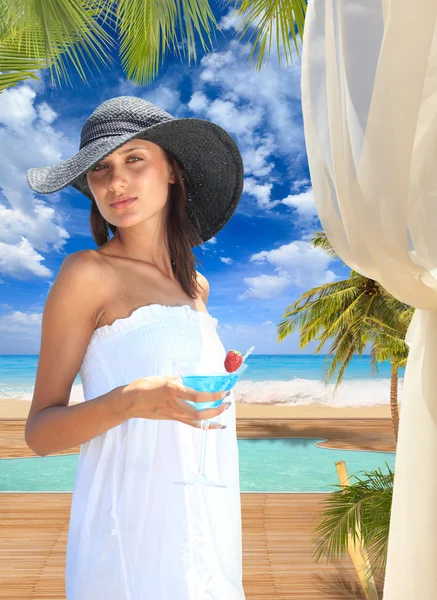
point(196, 396)
point(210, 413)
point(212, 425)
point(195, 414)
point(215, 425)
point(198, 424)
point(192, 412)
point(191, 422)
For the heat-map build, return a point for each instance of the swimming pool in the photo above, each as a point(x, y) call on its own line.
point(266, 465)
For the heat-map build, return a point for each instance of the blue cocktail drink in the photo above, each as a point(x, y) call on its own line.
point(211, 383)
point(201, 376)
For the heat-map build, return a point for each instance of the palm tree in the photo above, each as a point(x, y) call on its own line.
point(366, 502)
point(35, 34)
point(389, 344)
point(354, 312)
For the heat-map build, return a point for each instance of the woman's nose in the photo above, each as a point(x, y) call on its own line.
point(117, 179)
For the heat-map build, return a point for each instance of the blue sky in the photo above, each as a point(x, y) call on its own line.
point(257, 265)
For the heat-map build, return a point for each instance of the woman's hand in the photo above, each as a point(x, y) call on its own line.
point(163, 398)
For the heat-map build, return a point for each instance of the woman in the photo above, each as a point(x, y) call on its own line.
point(117, 315)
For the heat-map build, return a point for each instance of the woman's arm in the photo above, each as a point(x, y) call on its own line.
point(72, 308)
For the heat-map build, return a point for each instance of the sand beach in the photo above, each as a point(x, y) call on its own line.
point(19, 409)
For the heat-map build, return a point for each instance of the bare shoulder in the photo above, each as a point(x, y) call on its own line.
point(87, 262)
point(68, 321)
point(204, 283)
point(93, 276)
point(202, 280)
point(87, 265)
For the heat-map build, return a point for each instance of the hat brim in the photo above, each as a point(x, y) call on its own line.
point(206, 151)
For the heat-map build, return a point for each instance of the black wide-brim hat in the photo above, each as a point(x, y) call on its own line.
point(207, 153)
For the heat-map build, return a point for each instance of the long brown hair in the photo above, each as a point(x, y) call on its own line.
point(182, 234)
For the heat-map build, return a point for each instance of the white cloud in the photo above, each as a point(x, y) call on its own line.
point(213, 63)
point(300, 185)
point(40, 227)
point(265, 286)
point(20, 322)
point(28, 225)
point(261, 110)
point(243, 330)
point(299, 262)
point(260, 191)
point(231, 21)
point(46, 113)
point(206, 246)
point(256, 159)
point(227, 261)
point(198, 102)
point(21, 260)
point(166, 97)
point(163, 92)
point(20, 333)
point(272, 90)
point(237, 121)
point(304, 205)
point(16, 108)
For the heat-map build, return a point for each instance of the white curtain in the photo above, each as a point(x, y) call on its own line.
point(369, 99)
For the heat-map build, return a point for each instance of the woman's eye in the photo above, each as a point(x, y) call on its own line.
point(96, 167)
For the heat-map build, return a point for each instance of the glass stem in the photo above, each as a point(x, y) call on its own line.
point(205, 424)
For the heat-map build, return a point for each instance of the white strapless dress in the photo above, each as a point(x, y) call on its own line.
point(134, 534)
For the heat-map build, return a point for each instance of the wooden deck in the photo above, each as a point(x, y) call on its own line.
point(277, 551)
point(277, 528)
point(348, 434)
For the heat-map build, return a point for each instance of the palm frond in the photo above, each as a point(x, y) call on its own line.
point(338, 295)
point(366, 503)
point(343, 349)
point(271, 19)
point(17, 70)
point(50, 32)
point(320, 240)
point(53, 33)
point(15, 63)
point(148, 29)
point(352, 313)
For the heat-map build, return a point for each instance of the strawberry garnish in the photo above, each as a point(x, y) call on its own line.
point(233, 360)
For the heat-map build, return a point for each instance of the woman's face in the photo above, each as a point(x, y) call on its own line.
point(138, 169)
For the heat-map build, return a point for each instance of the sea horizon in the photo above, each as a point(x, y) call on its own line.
point(290, 379)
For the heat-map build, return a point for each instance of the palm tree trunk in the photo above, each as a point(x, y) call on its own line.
point(394, 400)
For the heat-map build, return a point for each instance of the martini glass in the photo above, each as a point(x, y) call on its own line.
point(204, 377)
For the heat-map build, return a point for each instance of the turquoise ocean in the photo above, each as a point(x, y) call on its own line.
point(286, 379)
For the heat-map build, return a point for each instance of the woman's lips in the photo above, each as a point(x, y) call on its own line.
point(123, 203)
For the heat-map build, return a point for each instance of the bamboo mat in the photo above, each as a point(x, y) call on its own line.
point(277, 551)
